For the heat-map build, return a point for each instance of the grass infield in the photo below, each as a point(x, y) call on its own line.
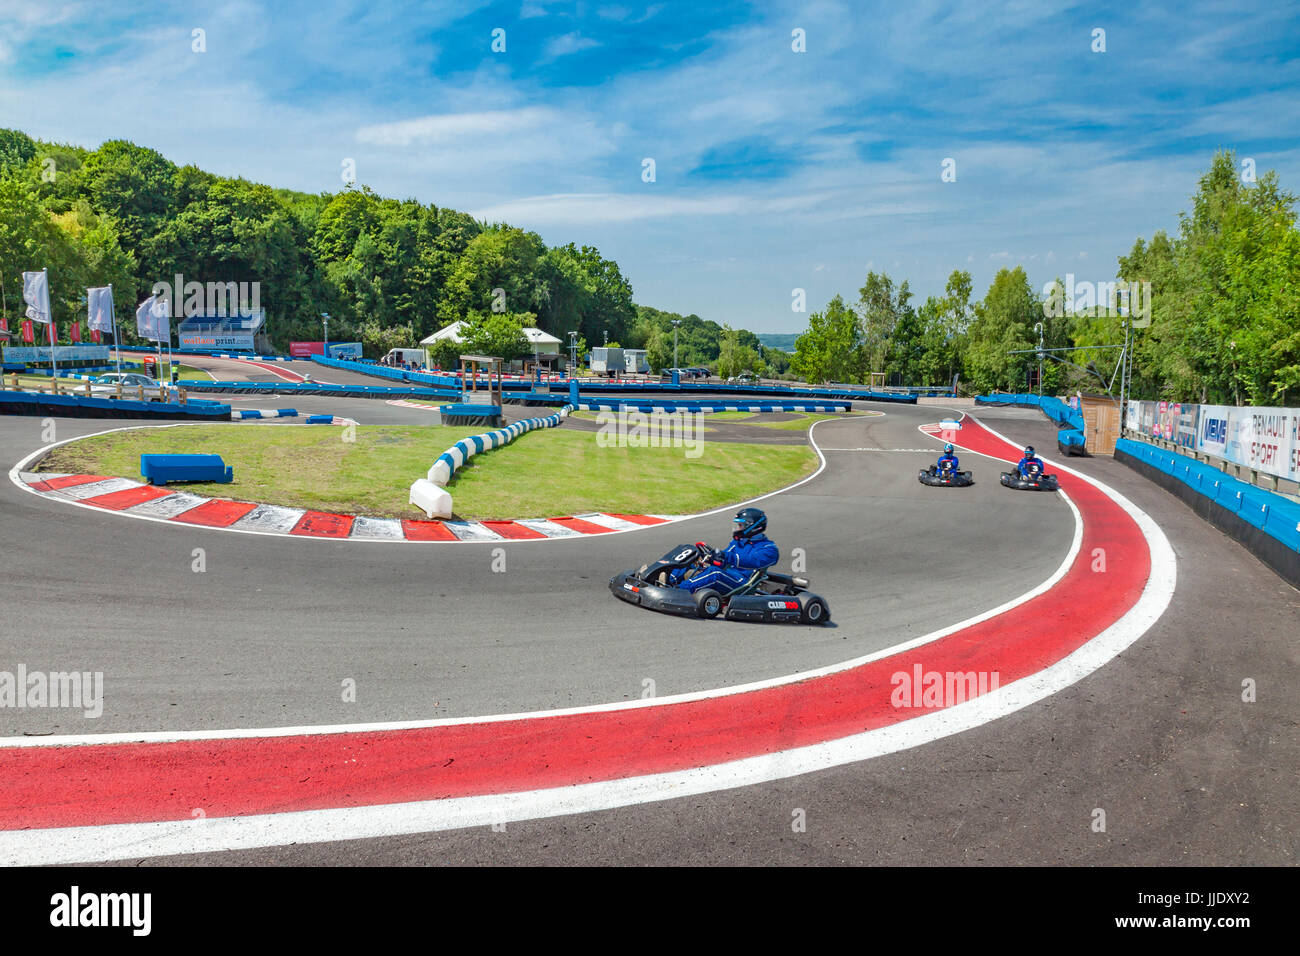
point(541, 474)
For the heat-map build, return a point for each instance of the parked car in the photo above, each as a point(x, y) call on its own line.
point(105, 386)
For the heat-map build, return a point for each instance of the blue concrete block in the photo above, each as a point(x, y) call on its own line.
point(161, 469)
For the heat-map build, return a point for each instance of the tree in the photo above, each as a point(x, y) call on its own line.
point(881, 307)
point(497, 333)
point(829, 350)
point(1004, 323)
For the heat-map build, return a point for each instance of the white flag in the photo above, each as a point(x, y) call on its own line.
point(152, 319)
point(99, 306)
point(36, 292)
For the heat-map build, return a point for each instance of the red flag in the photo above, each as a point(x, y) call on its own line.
point(94, 336)
point(74, 332)
point(28, 335)
point(4, 324)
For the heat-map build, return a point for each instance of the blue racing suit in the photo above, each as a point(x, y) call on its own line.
point(951, 459)
point(732, 567)
point(1023, 467)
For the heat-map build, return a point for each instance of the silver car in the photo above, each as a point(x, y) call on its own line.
point(105, 386)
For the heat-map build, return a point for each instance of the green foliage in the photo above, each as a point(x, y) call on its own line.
point(1225, 311)
point(830, 351)
point(497, 333)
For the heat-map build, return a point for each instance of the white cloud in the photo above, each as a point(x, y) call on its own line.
point(566, 44)
point(449, 128)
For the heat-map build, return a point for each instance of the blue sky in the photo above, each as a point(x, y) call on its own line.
point(775, 170)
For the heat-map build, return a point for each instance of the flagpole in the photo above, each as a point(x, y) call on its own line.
point(54, 362)
point(112, 309)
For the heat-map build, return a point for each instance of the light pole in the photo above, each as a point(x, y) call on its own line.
point(573, 354)
point(676, 322)
point(325, 319)
point(1038, 327)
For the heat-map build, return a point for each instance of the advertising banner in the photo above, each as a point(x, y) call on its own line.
point(66, 353)
point(304, 349)
point(226, 340)
point(345, 350)
point(1264, 439)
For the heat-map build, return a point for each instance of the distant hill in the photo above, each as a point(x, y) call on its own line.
point(779, 340)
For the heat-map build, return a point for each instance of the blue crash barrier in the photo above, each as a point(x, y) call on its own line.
point(161, 469)
point(1275, 515)
point(317, 388)
point(1070, 439)
point(79, 406)
point(450, 381)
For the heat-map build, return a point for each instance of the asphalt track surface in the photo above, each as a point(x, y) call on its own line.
point(264, 637)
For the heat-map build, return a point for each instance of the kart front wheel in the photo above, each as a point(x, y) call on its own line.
point(815, 611)
point(708, 603)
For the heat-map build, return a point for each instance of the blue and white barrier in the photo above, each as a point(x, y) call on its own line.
point(243, 414)
point(430, 495)
point(329, 420)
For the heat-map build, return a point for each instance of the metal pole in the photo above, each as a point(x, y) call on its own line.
point(1123, 380)
point(112, 308)
point(54, 362)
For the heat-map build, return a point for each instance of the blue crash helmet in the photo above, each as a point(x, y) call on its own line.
point(749, 522)
point(947, 449)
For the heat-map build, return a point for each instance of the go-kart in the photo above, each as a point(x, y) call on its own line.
point(948, 477)
point(764, 596)
point(1035, 480)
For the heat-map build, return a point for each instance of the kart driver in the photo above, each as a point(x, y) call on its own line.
point(947, 461)
point(749, 551)
point(1029, 460)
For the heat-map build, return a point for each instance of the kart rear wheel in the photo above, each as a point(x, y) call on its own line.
point(708, 603)
point(815, 611)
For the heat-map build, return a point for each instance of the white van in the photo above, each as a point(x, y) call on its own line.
point(398, 356)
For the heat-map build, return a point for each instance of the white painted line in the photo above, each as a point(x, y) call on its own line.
point(95, 488)
point(167, 508)
point(609, 521)
point(270, 518)
point(549, 528)
point(472, 531)
point(367, 527)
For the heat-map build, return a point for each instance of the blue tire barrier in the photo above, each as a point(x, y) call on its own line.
point(1070, 440)
point(79, 406)
point(465, 449)
point(317, 388)
point(246, 414)
point(763, 407)
point(1268, 524)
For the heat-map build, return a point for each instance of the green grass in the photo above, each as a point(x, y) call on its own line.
point(544, 473)
point(805, 421)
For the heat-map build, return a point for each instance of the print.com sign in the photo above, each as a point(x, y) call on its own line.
point(203, 340)
point(1265, 439)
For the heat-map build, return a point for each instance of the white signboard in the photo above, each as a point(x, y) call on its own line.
point(1263, 439)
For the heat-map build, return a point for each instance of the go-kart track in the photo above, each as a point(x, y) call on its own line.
point(314, 701)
